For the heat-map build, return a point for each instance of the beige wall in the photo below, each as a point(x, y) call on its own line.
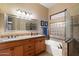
point(2, 23)
point(73, 8)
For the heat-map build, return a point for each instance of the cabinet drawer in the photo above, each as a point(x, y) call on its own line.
point(29, 53)
point(10, 44)
point(28, 47)
point(40, 44)
point(29, 41)
point(6, 52)
point(41, 48)
point(16, 43)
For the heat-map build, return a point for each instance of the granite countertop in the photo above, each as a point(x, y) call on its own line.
point(3, 40)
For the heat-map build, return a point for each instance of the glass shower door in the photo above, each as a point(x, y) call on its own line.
point(61, 26)
point(57, 26)
point(68, 27)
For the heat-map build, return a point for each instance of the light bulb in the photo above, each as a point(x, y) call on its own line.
point(27, 14)
point(18, 14)
point(23, 15)
point(31, 16)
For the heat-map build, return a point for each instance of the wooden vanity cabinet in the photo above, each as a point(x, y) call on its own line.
point(27, 47)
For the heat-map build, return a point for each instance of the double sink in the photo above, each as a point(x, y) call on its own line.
point(17, 38)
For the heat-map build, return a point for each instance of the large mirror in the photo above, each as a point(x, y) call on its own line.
point(13, 23)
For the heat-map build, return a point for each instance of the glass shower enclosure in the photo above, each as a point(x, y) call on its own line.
point(61, 26)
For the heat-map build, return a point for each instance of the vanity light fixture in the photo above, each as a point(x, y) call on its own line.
point(24, 14)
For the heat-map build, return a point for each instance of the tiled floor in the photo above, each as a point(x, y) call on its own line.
point(45, 54)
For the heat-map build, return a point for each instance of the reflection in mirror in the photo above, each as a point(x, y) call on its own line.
point(13, 23)
point(9, 22)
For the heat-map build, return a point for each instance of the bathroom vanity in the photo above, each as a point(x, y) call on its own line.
point(16, 41)
point(23, 46)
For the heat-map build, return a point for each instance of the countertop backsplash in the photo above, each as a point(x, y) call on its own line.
point(15, 34)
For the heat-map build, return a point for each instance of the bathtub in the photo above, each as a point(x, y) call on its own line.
point(52, 47)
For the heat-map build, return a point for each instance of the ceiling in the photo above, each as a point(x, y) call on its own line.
point(48, 5)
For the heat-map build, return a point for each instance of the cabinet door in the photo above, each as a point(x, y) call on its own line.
point(18, 51)
point(6, 52)
point(39, 45)
point(29, 48)
point(29, 53)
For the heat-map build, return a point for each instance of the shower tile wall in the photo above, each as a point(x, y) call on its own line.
point(76, 27)
point(74, 44)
